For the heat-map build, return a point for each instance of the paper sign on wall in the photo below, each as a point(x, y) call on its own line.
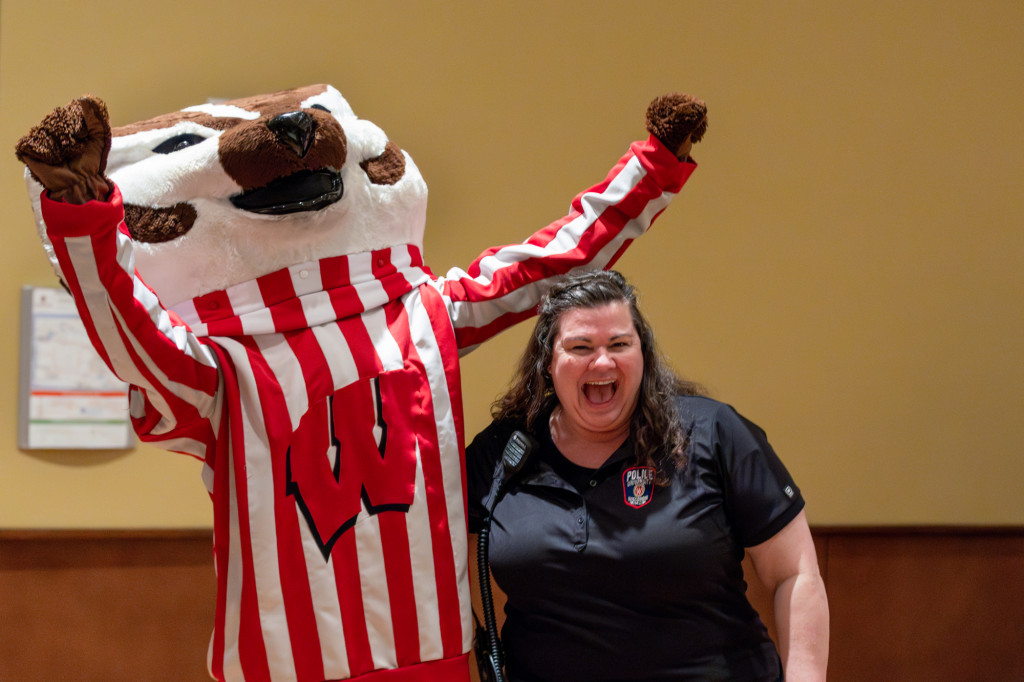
point(69, 399)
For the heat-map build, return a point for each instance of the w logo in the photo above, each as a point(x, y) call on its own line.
point(358, 447)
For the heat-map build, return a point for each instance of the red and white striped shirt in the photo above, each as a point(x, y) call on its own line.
point(324, 400)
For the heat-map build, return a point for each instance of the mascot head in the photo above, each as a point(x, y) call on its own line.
point(218, 194)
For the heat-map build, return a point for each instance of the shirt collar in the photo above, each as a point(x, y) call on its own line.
point(551, 470)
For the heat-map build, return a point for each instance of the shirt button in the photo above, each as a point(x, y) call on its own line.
point(593, 483)
point(579, 521)
point(303, 274)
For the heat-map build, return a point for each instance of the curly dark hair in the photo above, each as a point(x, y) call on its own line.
point(655, 426)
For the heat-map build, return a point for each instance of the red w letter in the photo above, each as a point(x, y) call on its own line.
point(358, 447)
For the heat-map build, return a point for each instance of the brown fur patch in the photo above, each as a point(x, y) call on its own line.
point(672, 117)
point(64, 133)
point(253, 156)
point(386, 169)
point(286, 100)
point(168, 120)
point(155, 225)
point(67, 151)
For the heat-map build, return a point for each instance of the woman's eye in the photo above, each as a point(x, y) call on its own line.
point(178, 142)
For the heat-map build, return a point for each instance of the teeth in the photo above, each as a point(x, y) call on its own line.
point(601, 383)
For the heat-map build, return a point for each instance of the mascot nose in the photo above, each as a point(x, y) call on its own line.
point(295, 130)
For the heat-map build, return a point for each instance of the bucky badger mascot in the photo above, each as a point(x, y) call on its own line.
point(253, 269)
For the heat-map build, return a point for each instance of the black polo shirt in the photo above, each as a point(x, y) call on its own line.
point(611, 578)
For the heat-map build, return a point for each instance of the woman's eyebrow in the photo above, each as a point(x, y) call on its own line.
point(612, 337)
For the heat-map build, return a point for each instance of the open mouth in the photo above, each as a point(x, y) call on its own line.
point(599, 392)
point(302, 191)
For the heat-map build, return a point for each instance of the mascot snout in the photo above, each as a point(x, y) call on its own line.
point(288, 162)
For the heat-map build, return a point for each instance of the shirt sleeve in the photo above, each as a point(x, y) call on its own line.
point(760, 495)
point(504, 284)
point(173, 375)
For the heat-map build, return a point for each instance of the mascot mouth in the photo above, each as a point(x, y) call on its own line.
point(302, 191)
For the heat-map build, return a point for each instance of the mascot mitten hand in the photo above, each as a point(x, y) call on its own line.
point(679, 121)
point(67, 151)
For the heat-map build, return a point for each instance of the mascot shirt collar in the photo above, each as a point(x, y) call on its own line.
point(307, 295)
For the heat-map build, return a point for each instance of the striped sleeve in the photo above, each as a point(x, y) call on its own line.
point(504, 284)
point(173, 375)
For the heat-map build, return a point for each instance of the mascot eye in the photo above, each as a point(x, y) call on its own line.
point(178, 142)
point(321, 107)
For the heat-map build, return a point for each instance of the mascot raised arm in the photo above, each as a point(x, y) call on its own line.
point(253, 270)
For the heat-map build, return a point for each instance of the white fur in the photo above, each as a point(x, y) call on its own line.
point(225, 110)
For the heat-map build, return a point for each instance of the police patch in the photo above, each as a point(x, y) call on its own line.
point(638, 486)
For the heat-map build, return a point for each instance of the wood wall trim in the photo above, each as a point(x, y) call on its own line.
point(37, 534)
point(965, 530)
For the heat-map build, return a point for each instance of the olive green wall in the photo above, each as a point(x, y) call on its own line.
point(845, 267)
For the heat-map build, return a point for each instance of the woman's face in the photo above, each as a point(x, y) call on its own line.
point(596, 368)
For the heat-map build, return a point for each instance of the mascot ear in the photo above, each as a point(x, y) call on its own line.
point(386, 169)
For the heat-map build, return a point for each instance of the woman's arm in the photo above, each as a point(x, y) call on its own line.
point(788, 566)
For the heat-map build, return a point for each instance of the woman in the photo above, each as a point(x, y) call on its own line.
point(619, 545)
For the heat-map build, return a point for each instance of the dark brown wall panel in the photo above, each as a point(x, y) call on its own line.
point(906, 604)
point(942, 605)
point(105, 606)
